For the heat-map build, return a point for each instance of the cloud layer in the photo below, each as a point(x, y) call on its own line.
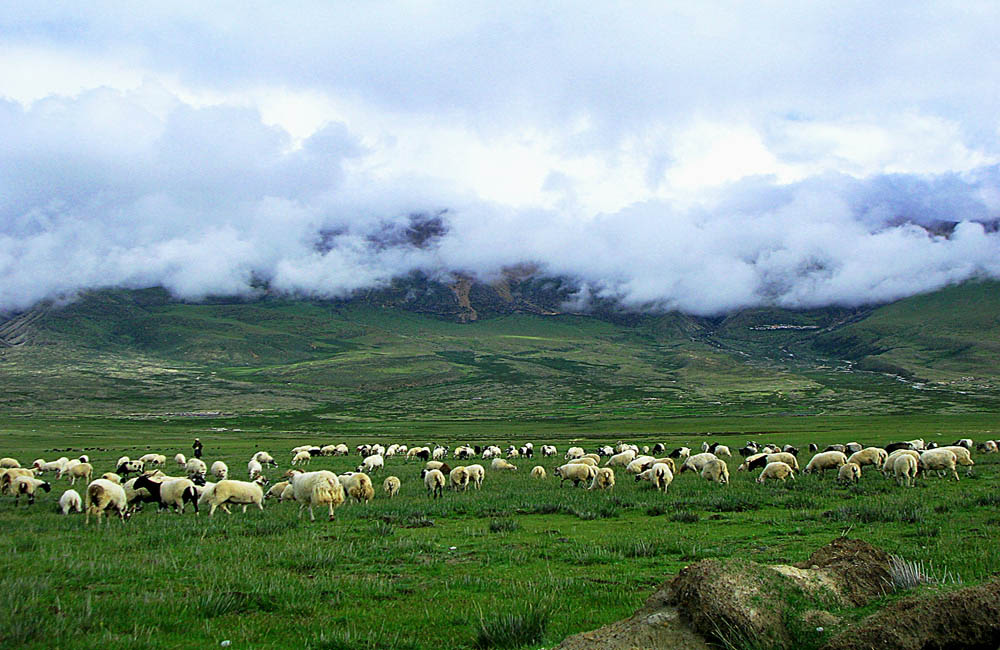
point(669, 157)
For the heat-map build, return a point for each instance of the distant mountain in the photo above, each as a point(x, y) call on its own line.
point(462, 348)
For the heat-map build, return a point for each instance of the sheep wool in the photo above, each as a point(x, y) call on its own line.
point(849, 472)
point(104, 495)
point(70, 500)
point(434, 482)
point(391, 486)
point(538, 472)
point(317, 488)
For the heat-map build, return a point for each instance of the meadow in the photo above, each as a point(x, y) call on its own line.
point(412, 572)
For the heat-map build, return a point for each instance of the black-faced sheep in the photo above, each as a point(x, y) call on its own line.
point(848, 473)
point(27, 485)
point(391, 486)
point(604, 479)
point(459, 478)
point(169, 492)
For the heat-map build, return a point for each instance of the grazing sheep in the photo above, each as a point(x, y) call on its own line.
point(604, 479)
point(777, 471)
point(963, 442)
point(459, 478)
point(813, 447)
point(621, 459)
point(358, 486)
point(434, 482)
point(9, 463)
point(254, 469)
point(196, 469)
point(548, 450)
point(276, 490)
point(663, 476)
point(904, 468)
point(640, 464)
point(592, 456)
point(988, 447)
point(963, 457)
point(838, 447)
point(301, 458)
point(169, 492)
point(28, 485)
point(584, 460)
point(788, 449)
point(869, 456)
point(826, 460)
point(70, 500)
point(575, 472)
point(230, 492)
point(716, 471)
point(152, 459)
point(80, 470)
point(11, 474)
point(887, 465)
point(439, 452)
point(852, 448)
point(572, 452)
point(538, 472)
point(464, 452)
point(501, 464)
point(372, 464)
point(126, 466)
point(849, 472)
point(104, 495)
point(758, 461)
point(180, 460)
point(940, 461)
point(220, 470)
point(41, 467)
point(318, 488)
point(111, 476)
point(391, 486)
point(476, 475)
point(265, 458)
point(917, 444)
point(722, 451)
point(697, 462)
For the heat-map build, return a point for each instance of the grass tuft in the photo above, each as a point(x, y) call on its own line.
point(524, 626)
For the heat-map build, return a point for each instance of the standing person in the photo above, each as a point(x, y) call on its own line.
point(197, 448)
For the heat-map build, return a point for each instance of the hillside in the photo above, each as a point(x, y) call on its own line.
point(378, 358)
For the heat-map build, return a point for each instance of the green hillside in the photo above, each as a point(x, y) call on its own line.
point(139, 352)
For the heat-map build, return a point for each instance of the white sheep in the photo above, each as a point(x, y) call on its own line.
point(254, 469)
point(316, 489)
point(502, 464)
point(904, 467)
point(80, 470)
point(220, 470)
point(962, 456)
point(777, 471)
point(153, 459)
point(663, 476)
point(826, 460)
point(538, 472)
point(621, 459)
point(458, 478)
point(723, 451)
point(434, 482)
point(476, 475)
point(11, 474)
point(28, 485)
point(549, 450)
point(181, 460)
point(358, 486)
point(391, 486)
point(575, 472)
point(265, 458)
point(301, 458)
point(639, 464)
point(716, 471)
point(70, 500)
point(604, 479)
point(849, 472)
point(939, 460)
point(9, 463)
point(697, 462)
point(104, 495)
point(574, 452)
point(233, 492)
point(111, 476)
point(275, 491)
point(875, 456)
point(372, 464)
point(169, 491)
point(41, 466)
point(124, 468)
point(196, 468)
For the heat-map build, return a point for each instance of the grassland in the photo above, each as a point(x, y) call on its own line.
point(416, 573)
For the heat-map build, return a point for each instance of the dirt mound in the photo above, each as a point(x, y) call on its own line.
point(741, 601)
point(966, 618)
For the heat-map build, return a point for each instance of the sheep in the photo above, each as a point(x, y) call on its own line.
point(789, 449)
point(196, 469)
point(169, 491)
point(538, 472)
point(697, 462)
point(301, 458)
point(825, 460)
point(849, 472)
point(963, 457)
point(583, 461)
point(640, 464)
point(458, 478)
point(220, 470)
point(274, 492)
point(464, 452)
point(918, 444)
point(10, 474)
point(758, 461)
point(575, 472)
point(573, 452)
point(372, 464)
point(233, 492)
point(70, 500)
point(181, 460)
point(28, 485)
point(963, 442)
point(869, 456)
point(852, 448)
point(777, 471)
point(722, 451)
point(748, 450)
point(111, 476)
point(254, 469)
point(717, 471)
point(391, 486)
point(439, 452)
point(549, 450)
point(358, 486)
point(104, 495)
point(9, 463)
point(888, 464)
point(80, 470)
point(41, 467)
point(152, 459)
point(604, 479)
point(904, 468)
point(939, 460)
point(126, 466)
point(318, 488)
point(476, 475)
point(621, 459)
point(813, 447)
point(838, 447)
point(591, 456)
point(663, 476)
point(493, 451)
point(501, 464)
point(434, 482)
point(265, 458)
point(988, 447)
point(606, 450)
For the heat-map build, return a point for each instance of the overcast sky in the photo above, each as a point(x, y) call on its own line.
point(675, 155)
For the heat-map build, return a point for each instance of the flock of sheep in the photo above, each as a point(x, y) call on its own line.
point(142, 480)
